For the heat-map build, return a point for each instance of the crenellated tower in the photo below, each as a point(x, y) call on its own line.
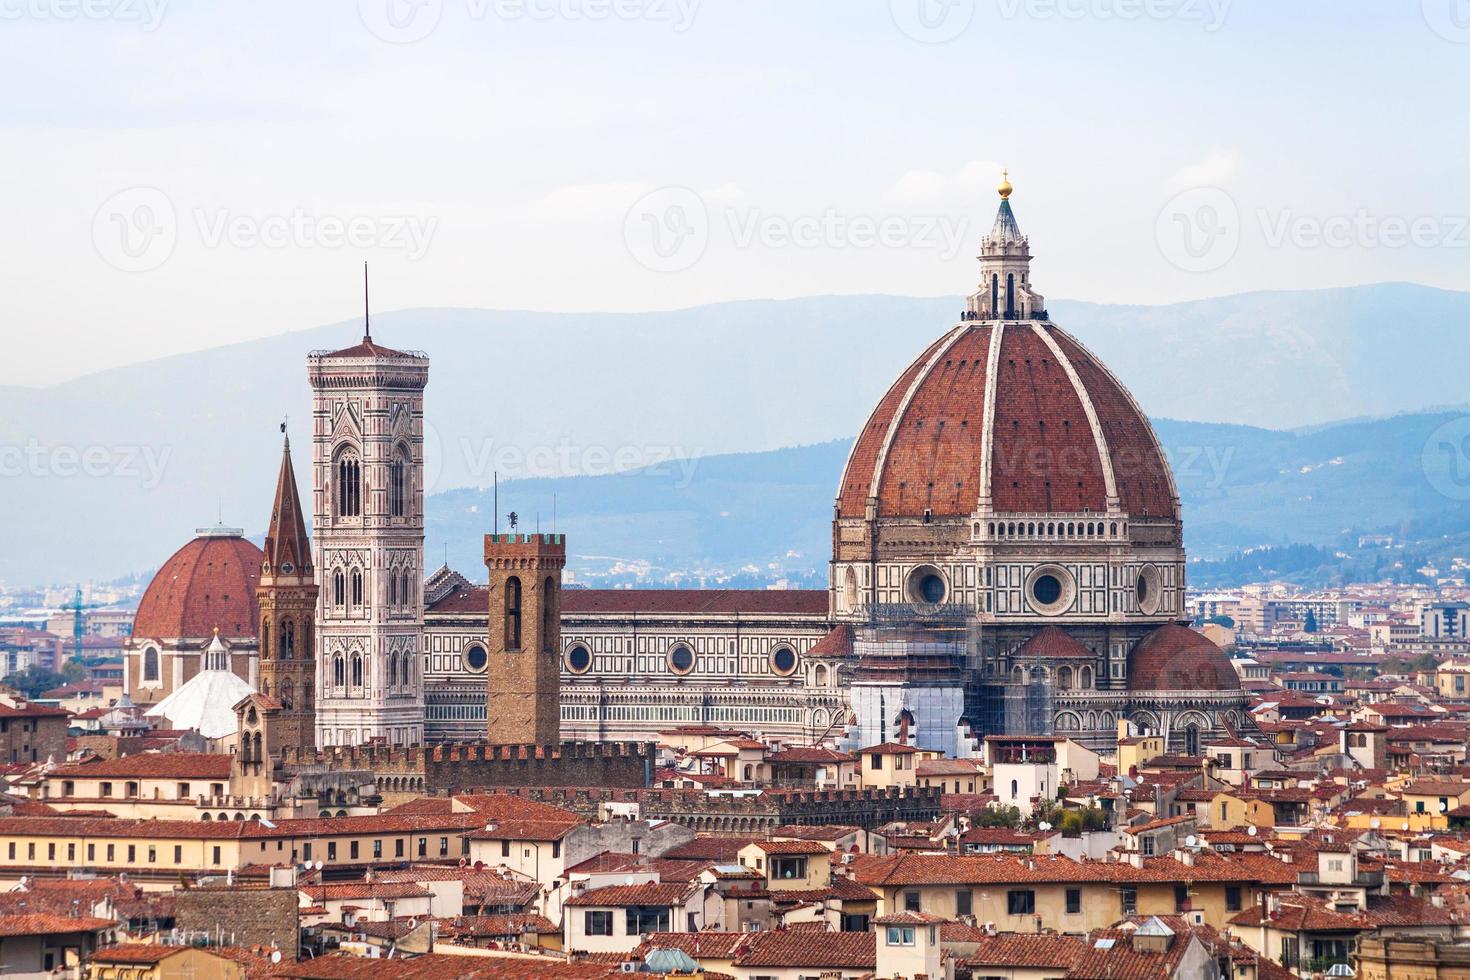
point(287, 597)
point(524, 672)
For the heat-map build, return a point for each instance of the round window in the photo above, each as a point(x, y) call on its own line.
point(783, 661)
point(927, 586)
point(681, 659)
point(1050, 590)
point(1047, 589)
point(1150, 592)
point(475, 657)
point(579, 659)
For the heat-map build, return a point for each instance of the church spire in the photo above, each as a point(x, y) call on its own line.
point(367, 322)
point(287, 550)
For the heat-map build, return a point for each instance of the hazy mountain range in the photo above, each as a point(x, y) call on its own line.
point(108, 474)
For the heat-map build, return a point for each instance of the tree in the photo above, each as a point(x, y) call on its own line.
point(1224, 621)
point(1001, 816)
point(33, 681)
point(75, 672)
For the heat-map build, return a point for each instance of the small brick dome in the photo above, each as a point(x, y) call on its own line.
point(209, 583)
point(1174, 658)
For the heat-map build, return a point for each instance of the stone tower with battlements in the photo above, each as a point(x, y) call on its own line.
point(524, 670)
point(287, 597)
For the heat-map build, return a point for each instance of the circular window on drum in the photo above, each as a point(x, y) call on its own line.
point(1150, 592)
point(783, 661)
point(681, 659)
point(927, 586)
point(475, 658)
point(579, 659)
point(1050, 590)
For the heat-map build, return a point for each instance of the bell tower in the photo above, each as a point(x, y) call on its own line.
point(368, 488)
point(287, 598)
point(524, 672)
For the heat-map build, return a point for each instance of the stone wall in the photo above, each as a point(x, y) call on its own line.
point(262, 917)
point(456, 768)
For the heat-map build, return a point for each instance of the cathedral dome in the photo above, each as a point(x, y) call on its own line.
point(1017, 415)
point(1006, 414)
point(1175, 658)
point(207, 584)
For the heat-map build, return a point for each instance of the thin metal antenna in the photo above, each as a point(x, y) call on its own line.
point(367, 326)
point(496, 476)
point(553, 513)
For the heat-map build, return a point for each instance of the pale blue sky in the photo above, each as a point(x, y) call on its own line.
point(500, 160)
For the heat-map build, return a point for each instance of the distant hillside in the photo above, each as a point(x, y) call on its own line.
point(111, 472)
point(754, 518)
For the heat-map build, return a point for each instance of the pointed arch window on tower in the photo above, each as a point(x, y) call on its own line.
point(357, 587)
point(407, 590)
point(357, 670)
point(265, 639)
point(349, 485)
point(1010, 296)
point(392, 589)
point(512, 614)
point(288, 694)
point(288, 639)
point(339, 588)
point(339, 672)
point(548, 613)
point(150, 664)
point(398, 484)
point(994, 294)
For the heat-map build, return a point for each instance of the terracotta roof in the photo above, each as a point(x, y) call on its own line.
point(888, 748)
point(697, 945)
point(1175, 658)
point(1054, 643)
point(443, 966)
point(209, 582)
point(348, 891)
point(49, 924)
point(1021, 949)
point(649, 893)
point(150, 765)
point(809, 949)
point(928, 430)
point(837, 643)
point(792, 847)
point(368, 348)
point(135, 953)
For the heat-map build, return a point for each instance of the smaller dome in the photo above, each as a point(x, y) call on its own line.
point(1052, 643)
point(1174, 658)
point(207, 585)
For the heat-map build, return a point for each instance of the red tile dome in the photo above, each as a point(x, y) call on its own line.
point(209, 583)
point(1175, 658)
point(1016, 411)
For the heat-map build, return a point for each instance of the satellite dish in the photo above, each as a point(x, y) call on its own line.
point(275, 956)
point(1251, 830)
point(1191, 841)
point(1444, 805)
point(479, 865)
point(1406, 825)
point(317, 865)
point(1375, 823)
point(1043, 826)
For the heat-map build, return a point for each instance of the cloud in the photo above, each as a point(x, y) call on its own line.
point(971, 182)
point(1213, 170)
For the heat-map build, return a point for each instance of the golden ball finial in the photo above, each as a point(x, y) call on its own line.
point(1005, 184)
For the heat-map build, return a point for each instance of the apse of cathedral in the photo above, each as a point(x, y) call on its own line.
point(1007, 558)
